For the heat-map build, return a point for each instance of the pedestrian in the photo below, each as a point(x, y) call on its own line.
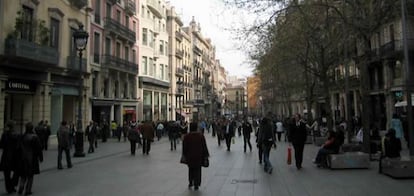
point(173, 134)
point(329, 147)
point(119, 132)
point(229, 132)
point(147, 131)
point(91, 132)
point(113, 128)
point(72, 131)
point(63, 136)
point(221, 127)
point(125, 129)
point(392, 144)
point(279, 130)
point(133, 135)
point(247, 131)
point(297, 136)
point(259, 146)
point(41, 133)
point(10, 158)
point(195, 152)
point(31, 156)
point(105, 131)
point(160, 129)
point(47, 135)
point(267, 140)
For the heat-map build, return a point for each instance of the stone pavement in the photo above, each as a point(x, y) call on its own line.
point(113, 171)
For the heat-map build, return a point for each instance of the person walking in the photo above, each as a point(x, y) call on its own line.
point(10, 157)
point(31, 156)
point(125, 129)
point(91, 132)
point(247, 131)
point(148, 132)
point(113, 128)
point(229, 132)
point(267, 139)
point(194, 152)
point(133, 136)
point(173, 134)
point(297, 136)
point(63, 135)
point(279, 130)
point(47, 134)
point(41, 132)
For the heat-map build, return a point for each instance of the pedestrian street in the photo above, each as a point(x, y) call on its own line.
point(116, 172)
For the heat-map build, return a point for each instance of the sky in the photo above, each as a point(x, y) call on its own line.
point(214, 18)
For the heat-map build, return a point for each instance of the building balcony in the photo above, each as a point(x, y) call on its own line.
point(72, 63)
point(179, 54)
point(116, 63)
point(79, 3)
point(197, 50)
point(155, 7)
point(179, 91)
point(32, 52)
point(179, 71)
point(119, 30)
point(178, 36)
point(130, 7)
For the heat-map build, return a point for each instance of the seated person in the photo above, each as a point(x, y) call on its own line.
point(391, 144)
point(330, 147)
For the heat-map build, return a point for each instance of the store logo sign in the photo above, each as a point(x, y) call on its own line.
point(21, 85)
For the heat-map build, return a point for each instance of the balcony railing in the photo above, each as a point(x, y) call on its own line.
point(179, 71)
point(73, 63)
point(197, 50)
point(120, 30)
point(155, 7)
point(115, 63)
point(31, 51)
point(130, 7)
point(179, 36)
point(179, 53)
point(179, 91)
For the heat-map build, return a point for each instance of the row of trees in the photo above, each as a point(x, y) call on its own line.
point(299, 44)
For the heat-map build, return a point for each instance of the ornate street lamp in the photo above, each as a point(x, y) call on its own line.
point(180, 84)
point(80, 38)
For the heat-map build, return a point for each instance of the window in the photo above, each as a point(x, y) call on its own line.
point(98, 11)
point(107, 46)
point(134, 26)
point(72, 47)
point(94, 83)
point(150, 62)
point(144, 36)
point(118, 50)
point(125, 89)
point(96, 47)
point(126, 53)
point(166, 48)
point(161, 47)
point(142, 11)
point(145, 65)
point(151, 41)
point(27, 28)
point(391, 33)
point(54, 33)
point(118, 16)
point(106, 88)
point(134, 56)
point(108, 10)
point(116, 89)
point(161, 74)
point(127, 21)
point(154, 70)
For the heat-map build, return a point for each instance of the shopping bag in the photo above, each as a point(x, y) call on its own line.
point(289, 155)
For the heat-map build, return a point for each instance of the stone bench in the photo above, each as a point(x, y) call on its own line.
point(319, 141)
point(397, 168)
point(349, 160)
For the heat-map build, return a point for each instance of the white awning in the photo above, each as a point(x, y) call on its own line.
point(401, 104)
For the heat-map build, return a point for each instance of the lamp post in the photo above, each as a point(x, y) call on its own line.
point(80, 38)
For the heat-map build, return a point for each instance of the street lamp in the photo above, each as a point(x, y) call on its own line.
point(80, 38)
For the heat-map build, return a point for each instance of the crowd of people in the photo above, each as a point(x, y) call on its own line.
point(22, 153)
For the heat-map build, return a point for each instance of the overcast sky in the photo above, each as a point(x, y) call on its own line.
point(214, 18)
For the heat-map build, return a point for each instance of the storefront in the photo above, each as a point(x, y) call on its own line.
point(129, 113)
point(64, 104)
point(18, 101)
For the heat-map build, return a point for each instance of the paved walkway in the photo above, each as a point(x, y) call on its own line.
point(113, 171)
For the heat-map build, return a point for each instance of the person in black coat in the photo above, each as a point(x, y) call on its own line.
point(31, 156)
point(91, 132)
point(247, 131)
point(297, 137)
point(10, 158)
point(229, 131)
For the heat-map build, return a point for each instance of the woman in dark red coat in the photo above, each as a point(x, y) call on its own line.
point(194, 152)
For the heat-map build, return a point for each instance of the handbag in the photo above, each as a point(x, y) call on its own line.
point(183, 160)
point(205, 162)
point(289, 155)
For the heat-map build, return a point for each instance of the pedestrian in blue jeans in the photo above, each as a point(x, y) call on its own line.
point(266, 140)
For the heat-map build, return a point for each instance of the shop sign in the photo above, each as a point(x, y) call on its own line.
point(21, 85)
